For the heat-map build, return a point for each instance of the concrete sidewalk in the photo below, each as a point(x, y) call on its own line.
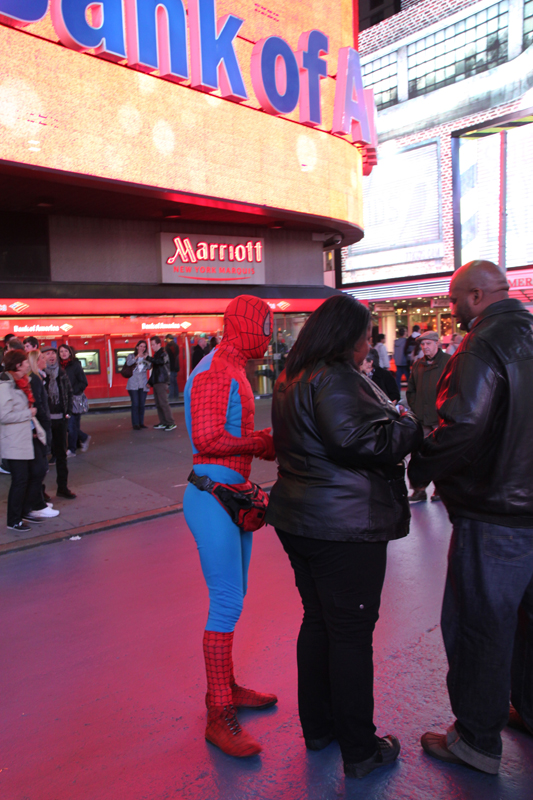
point(125, 476)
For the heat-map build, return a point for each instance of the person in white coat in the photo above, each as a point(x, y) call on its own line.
point(17, 429)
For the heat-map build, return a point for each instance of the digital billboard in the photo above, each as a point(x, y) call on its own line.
point(402, 218)
point(131, 115)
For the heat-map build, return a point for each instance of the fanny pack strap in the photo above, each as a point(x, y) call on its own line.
point(202, 482)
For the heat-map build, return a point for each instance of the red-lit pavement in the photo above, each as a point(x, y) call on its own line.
point(102, 680)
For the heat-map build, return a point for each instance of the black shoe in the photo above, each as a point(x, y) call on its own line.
point(66, 493)
point(136, 427)
point(143, 426)
point(388, 751)
point(160, 427)
point(32, 520)
point(20, 527)
point(418, 496)
point(319, 744)
point(171, 427)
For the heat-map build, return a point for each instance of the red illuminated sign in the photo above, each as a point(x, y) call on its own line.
point(205, 259)
point(69, 309)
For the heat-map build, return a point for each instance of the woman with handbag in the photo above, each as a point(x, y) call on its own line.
point(136, 371)
point(19, 432)
point(219, 413)
point(78, 382)
point(339, 498)
point(41, 508)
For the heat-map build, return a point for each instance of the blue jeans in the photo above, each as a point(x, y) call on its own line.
point(401, 370)
point(487, 627)
point(75, 432)
point(138, 400)
point(173, 387)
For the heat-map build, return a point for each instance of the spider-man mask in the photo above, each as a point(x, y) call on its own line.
point(248, 325)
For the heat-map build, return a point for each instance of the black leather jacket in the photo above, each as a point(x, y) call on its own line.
point(481, 455)
point(160, 367)
point(339, 443)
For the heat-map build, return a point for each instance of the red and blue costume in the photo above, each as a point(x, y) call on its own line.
point(219, 413)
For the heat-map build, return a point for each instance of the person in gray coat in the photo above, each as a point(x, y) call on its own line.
point(17, 430)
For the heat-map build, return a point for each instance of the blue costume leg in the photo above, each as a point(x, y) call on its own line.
point(224, 555)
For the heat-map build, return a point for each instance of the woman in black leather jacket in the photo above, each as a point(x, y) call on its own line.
point(78, 382)
point(339, 498)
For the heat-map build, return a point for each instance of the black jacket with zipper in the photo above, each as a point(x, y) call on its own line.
point(481, 455)
point(339, 444)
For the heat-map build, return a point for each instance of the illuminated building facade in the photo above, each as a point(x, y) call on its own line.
point(158, 158)
point(453, 87)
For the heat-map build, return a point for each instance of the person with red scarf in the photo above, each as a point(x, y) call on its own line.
point(17, 432)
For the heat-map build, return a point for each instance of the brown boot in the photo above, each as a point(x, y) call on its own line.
point(224, 731)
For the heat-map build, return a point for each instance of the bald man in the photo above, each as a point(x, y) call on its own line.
point(481, 460)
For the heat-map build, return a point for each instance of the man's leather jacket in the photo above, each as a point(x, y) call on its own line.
point(481, 455)
point(339, 444)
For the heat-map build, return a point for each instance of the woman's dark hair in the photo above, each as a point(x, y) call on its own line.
point(69, 349)
point(141, 341)
point(13, 358)
point(330, 334)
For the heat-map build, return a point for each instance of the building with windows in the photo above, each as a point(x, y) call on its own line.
point(453, 84)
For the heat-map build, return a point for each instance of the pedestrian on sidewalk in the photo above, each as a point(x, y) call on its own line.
point(422, 394)
point(27, 463)
point(381, 377)
point(159, 381)
point(400, 358)
point(59, 394)
point(78, 383)
point(381, 347)
point(137, 385)
point(219, 411)
point(481, 458)
point(173, 353)
point(41, 509)
point(339, 498)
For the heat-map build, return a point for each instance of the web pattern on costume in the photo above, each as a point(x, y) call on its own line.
point(210, 396)
point(244, 325)
point(246, 335)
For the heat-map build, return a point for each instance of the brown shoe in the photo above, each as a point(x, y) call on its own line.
point(224, 731)
point(434, 744)
point(517, 723)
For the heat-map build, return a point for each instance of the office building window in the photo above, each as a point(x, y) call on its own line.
point(382, 76)
point(470, 46)
point(528, 23)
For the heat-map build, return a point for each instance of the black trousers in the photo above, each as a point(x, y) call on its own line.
point(340, 585)
point(59, 451)
point(25, 492)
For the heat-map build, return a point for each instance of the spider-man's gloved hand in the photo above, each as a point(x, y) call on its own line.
point(265, 445)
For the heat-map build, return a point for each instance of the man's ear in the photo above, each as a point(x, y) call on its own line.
point(477, 296)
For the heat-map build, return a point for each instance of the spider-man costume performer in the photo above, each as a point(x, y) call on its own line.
point(219, 413)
